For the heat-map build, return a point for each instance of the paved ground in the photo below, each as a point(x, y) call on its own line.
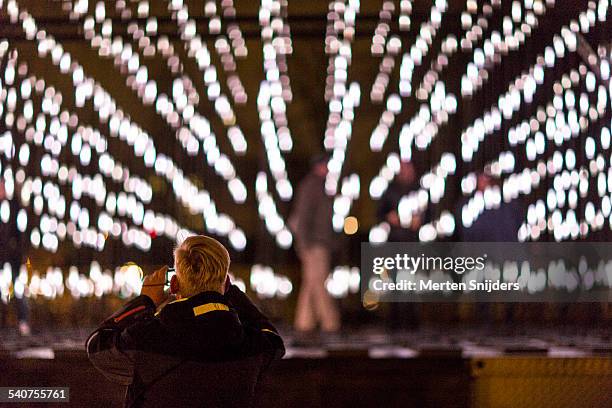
point(369, 368)
point(482, 342)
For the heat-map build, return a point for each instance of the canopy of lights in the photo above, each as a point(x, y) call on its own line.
point(128, 123)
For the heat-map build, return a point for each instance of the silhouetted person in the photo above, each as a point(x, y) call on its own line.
point(500, 224)
point(11, 252)
point(403, 315)
point(311, 222)
point(405, 182)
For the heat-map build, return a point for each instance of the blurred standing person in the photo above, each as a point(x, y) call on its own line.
point(403, 316)
point(311, 223)
point(404, 183)
point(11, 247)
point(500, 224)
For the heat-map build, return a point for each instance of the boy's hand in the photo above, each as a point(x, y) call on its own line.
point(153, 285)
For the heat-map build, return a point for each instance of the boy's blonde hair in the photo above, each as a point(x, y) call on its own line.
point(201, 265)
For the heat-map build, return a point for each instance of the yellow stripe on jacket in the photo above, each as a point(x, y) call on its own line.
point(209, 307)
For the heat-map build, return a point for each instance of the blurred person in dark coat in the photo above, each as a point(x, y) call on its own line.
point(404, 183)
point(311, 223)
point(499, 224)
point(11, 252)
point(207, 348)
point(402, 316)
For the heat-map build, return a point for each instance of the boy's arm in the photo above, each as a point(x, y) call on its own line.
point(106, 346)
point(252, 317)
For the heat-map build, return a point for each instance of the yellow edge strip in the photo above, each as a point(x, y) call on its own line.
point(209, 307)
point(178, 300)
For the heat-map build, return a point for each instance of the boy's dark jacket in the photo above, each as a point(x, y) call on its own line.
point(208, 350)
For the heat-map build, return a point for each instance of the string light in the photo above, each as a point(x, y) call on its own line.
point(75, 191)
